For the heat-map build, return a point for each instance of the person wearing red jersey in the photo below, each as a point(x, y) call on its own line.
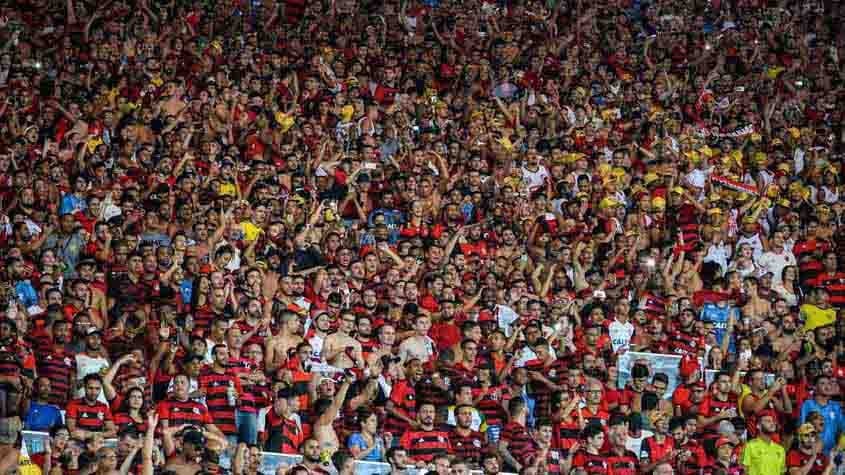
point(424, 442)
point(807, 458)
point(515, 444)
point(468, 444)
point(684, 340)
point(402, 405)
point(282, 427)
point(590, 459)
point(179, 409)
point(58, 364)
point(221, 388)
point(88, 416)
point(719, 405)
point(690, 455)
point(773, 398)
point(660, 447)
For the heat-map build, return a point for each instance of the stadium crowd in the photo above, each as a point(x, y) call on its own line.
point(447, 234)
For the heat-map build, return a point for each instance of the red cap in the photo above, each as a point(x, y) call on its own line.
point(723, 441)
point(688, 366)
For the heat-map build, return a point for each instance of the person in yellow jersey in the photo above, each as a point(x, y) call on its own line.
point(763, 455)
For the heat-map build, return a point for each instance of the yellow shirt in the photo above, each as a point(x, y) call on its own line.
point(764, 458)
point(815, 317)
point(251, 231)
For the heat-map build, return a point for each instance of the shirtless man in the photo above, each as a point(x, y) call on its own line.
point(327, 410)
point(186, 461)
point(384, 347)
point(279, 345)
point(756, 307)
point(419, 346)
point(340, 349)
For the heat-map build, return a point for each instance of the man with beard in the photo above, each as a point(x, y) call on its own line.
point(831, 411)
point(42, 416)
point(467, 443)
point(93, 359)
point(279, 345)
point(719, 405)
point(425, 442)
point(684, 339)
point(58, 364)
point(186, 460)
point(311, 459)
point(762, 455)
point(364, 334)
point(87, 415)
point(253, 324)
point(762, 399)
point(691, 456)
point(807, 458)
point(67, 243)
point(444, 331)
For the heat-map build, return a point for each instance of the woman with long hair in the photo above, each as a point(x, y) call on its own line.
point(132, 411)
point(366, 444)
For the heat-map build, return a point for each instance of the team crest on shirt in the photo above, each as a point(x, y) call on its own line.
point(196, 410)
point(84, 415)
point(476, 443)
point(67, 361)
point(441, 439)
point(552, 373)
point(175, 409)
point(100, 415)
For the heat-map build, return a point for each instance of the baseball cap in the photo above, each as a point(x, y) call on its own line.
point(723, 441)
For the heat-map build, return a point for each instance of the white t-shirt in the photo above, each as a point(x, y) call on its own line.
point(86, 365)
point(620, 334)
point(535, 179)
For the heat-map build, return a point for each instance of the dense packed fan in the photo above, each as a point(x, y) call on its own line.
point(440, 236)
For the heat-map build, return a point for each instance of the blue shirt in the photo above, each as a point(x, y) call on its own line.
point(834, 423)
point(71, 204)
point(719, 316)
point(26, 293)
point(42, 417)
point(357, 440)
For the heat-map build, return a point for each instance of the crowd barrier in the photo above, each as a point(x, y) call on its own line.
point(270, 461)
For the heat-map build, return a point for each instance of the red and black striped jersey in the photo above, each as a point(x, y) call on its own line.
point(625, 464)
point(59, 366)
point(189, 412)
point(424, 445)
point(281, 434)
point(593, 464)
point(468, 447)
point(216, 387)
point(90, 417)
point(520, 443)
point(491, 405)
point(685, 343)
point(123, 421)
point(712, 406)
point(834, 284)
point(567, 433)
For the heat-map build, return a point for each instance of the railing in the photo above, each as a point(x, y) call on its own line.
point(270, 461)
